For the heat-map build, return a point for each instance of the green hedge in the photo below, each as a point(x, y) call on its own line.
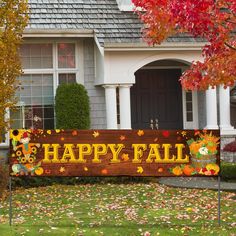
point(72, 107)
point(228, 171)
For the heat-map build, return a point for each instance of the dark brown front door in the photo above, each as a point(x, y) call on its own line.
point(157, 94)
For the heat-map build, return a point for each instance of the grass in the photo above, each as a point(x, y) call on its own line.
point(117, 209)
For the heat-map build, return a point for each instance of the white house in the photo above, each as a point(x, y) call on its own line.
point(130, 85)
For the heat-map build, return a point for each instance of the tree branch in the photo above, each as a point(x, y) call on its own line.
point(230, 46)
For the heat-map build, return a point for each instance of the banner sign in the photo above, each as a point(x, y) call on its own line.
point(114, 152)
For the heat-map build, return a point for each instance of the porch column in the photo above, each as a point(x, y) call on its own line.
point(125, 109)
point(224, 95)
point(111, 110)
point(211, 109)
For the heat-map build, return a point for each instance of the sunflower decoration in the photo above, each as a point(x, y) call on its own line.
point(18, 153)
point(15, 135)
point(22, 160)
point(34, 150)
point(32, 159)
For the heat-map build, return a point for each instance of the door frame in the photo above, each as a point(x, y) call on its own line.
point(186, 124)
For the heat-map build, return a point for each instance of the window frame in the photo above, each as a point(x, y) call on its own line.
point(6, 143)
point(55, 70)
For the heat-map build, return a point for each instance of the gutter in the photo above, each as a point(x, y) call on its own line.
point(55, 33)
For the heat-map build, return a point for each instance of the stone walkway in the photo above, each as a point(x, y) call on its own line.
point(197, 182)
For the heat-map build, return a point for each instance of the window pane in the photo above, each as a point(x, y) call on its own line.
point(66, 55)
point(189, 96)
point(36, 89)
point(67, 78)
point(190, 116)
point(36, 56)
point(35, 117)
point(189, 106)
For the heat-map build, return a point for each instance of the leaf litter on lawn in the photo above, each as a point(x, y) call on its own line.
point(148, 206)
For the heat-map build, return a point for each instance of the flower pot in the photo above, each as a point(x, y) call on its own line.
point(201, 162)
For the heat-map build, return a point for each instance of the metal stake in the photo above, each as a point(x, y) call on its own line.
point(219, 201)
point(10, 203)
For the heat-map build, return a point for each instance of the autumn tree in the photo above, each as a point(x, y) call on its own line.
point(13, 20)
point(212, 20)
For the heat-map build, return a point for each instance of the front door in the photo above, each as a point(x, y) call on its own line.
point(156, 99)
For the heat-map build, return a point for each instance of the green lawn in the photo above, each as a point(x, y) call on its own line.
point(117, 209)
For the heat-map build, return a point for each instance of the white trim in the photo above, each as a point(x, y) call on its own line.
point(7, 118)
point(195, 123)
point(190, 124)
point(228, 132)
point(79, 54)
point(166, 46)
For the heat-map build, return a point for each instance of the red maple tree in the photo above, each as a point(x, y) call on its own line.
point(211, 20)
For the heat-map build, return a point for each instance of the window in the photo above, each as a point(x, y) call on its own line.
point(35, 95)
point(36, 56)
point(189, 106)
point(66, 55)
point(45, 66)
point(67, 78)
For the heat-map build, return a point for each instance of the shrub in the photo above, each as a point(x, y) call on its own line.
point(72, 107)
point(228, 170)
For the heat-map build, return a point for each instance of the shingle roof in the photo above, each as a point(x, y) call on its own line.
point(103, 16)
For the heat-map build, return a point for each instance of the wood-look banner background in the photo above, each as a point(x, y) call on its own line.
point(114, 152)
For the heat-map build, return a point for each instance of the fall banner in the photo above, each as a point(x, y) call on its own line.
point(114, 152)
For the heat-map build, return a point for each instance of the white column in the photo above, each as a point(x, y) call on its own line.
point(211, 109)
point(125, 109)
point(111, 109)
point(224, 95)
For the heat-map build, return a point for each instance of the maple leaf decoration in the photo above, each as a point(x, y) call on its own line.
point(95, 134)
point(122, 137)
point(140, 133)
point(62, 169)
point(74, 132)
point(125, 156)
point(140, 169)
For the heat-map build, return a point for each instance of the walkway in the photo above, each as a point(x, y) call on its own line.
point(197, 182)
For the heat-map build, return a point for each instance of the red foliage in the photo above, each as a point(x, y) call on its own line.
point(213, 20)
point(230, 147)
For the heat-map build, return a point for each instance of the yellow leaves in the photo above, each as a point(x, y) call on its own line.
point(140, 133)
point(140, 169)
point(95, 134)
point(49, 132)
point(122, 137)
point(62, 169)
point(125, 156)
point(85, 168)
point(14, 15)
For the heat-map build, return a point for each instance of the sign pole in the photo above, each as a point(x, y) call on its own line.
point(219, 201)
point(10, 202)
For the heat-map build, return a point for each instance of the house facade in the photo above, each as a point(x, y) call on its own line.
point(130, 84)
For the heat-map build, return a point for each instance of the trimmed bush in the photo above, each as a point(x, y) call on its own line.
point(72, 107)
point(228, 170)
